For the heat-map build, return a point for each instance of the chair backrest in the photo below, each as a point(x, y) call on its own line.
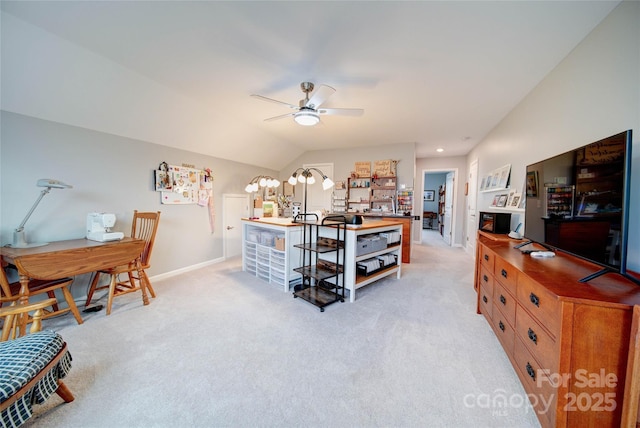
point(13, 326)
point(144, 226)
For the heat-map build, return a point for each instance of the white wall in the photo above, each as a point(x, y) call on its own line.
point(592, 94)
point(108, 173)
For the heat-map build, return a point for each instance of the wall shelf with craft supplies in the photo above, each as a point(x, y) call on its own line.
point(372, 190)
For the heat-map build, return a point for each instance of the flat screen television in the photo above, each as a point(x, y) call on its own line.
point(578, 202)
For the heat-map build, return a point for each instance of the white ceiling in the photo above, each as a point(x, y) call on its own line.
point(437, 74)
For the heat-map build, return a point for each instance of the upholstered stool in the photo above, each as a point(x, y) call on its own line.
point(30, 371)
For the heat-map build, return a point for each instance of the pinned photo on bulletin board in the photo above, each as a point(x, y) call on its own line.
point(162, 178)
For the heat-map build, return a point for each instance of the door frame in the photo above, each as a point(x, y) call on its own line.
point(472, 210)
point(454, 211)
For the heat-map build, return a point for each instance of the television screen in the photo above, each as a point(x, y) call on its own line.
point(578, 201)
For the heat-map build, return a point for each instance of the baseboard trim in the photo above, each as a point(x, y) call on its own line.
point(186, 269)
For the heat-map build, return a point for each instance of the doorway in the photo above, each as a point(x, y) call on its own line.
point(439, 196)
point(235, 207)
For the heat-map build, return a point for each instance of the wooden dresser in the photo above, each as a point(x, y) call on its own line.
point(568, 341)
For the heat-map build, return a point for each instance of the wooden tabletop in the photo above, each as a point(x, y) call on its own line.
point(73, 257)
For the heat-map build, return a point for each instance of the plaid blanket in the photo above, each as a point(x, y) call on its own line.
point(20, 361)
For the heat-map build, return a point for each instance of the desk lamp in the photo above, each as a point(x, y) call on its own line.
point(19, 238)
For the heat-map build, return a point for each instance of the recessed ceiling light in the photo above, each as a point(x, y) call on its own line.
point(440, 150)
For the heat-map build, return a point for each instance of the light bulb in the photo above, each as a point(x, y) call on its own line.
point(327, 183)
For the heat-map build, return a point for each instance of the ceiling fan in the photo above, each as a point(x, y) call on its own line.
point(308, 111)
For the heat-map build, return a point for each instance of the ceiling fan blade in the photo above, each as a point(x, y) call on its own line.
point(341, 111)
point(271, 100)
point(282, 116)
point(319, 96)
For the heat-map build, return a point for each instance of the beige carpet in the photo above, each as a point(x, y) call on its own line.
point(220, 348)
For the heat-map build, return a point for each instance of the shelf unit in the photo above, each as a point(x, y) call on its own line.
point(339, 201)
point(383, 194)
point(323, 258)
point(355, 280)
point(261, 258)
point(442, 191)
point(358, 194)
point(405, 201)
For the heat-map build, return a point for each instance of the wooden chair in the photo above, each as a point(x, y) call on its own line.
point(144, 226)
point(31, 365)
point(11, 291)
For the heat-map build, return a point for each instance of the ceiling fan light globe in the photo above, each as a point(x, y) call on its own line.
point(306, 118)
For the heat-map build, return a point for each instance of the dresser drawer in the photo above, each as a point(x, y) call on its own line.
point(506, 274)
point(486, 279)
point(541, 345)
point(544, 306)
point(543, 395)
point(503, 330)
point(487, 258)
point(486, 301)
point(505, 302)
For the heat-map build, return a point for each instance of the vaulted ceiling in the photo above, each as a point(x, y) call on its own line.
point(179, 73)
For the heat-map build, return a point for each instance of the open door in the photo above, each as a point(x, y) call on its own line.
point(448, 208)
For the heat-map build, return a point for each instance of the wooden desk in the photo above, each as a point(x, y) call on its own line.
point(69, 258)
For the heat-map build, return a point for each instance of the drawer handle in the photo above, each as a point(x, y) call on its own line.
point(534, 299)
point(503, 300)
point(484, 299)
point(533, 336)
point(501, 326)
point(531, 371)
point(486, 278)
point(486, 257)
point(503, 273)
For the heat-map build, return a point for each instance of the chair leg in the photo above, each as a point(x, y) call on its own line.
point(72, 305)
point(64, 392)
point(145, 278)
point(92, 289)
point(112, 290)
point(52, 295)
point(132, 280)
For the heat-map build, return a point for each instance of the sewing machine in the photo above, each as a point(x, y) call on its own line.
point(99, 227)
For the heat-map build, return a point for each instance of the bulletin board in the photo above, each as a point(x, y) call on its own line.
point(184, 185)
